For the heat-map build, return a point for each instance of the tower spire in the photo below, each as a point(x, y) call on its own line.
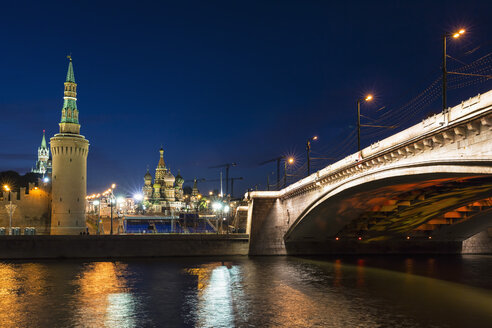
point(161, 163)
point(70, 114)
point(70, 75)
point(43, 141)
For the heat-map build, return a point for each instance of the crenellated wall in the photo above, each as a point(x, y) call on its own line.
point(32, 210)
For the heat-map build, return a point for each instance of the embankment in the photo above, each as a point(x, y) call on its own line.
point(121, 246)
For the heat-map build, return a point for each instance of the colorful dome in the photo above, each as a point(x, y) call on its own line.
point(147, 176)
point(169, 178)
point(179, 179)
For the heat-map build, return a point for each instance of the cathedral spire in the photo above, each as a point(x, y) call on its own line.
point(43, 141)
point(161, 163)
point(70, 115)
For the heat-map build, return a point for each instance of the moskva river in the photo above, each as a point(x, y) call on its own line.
point(442, 291)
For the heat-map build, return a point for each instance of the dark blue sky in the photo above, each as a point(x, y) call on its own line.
point(222, 81)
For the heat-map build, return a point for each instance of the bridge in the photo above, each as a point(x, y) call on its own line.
point(430, 184)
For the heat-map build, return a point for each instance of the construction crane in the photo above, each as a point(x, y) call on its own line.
point(232, 185)
point(217, 180)
point(227, 166)
point(276, 159)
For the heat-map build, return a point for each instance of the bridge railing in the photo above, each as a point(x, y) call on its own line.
point(473, 107)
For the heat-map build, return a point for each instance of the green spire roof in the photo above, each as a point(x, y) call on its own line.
point(43, 142)
point(70, 76)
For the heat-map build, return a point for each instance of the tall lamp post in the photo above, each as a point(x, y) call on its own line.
point(308, 149)
point(367, 98)
point(10, 207)
point(455, 35)
point(111, 200)
point(289, 160)
point(97, 203)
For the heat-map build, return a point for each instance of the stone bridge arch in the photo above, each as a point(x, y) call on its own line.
point(445, 161)
point(392, 204)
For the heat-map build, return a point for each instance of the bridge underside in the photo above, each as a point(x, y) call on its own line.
point(437, 207)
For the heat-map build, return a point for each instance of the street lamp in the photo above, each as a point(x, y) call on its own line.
point(367, 98)
point(308, 149)
point(111, 200)
point(289, 161)
point(10, 207)
point(97, 203)
point(455, 35)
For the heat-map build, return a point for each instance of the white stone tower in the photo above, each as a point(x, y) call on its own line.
point(69, 152)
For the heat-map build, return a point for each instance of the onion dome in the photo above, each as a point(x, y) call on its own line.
point(147, 176)
point(169, 178)
point(179, 179)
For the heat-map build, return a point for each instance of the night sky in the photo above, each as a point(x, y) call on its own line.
point(226, 81)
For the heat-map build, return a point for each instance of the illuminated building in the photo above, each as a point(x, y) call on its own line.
point(165, 195)
point(69, 152)
point(43, 164)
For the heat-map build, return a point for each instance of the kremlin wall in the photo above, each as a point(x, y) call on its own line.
point(32, 209)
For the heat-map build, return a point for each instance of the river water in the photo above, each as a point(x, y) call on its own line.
point(443, 291)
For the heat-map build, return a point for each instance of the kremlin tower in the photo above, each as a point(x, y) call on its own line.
point(69, 152)
point(43, 165)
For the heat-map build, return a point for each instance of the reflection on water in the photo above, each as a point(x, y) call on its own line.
point(254, 292)
point(101, 296)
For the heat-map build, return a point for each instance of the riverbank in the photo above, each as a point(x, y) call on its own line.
point(122, 246)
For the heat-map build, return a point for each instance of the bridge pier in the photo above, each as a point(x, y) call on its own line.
point(267, 227)
point(481, 243)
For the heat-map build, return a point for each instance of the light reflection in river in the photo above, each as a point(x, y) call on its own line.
point(102, 296)
point(255, 292)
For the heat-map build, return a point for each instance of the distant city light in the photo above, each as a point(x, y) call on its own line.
point(217, 206)
point(226, 209)
point(46, 179)
point(138, 197)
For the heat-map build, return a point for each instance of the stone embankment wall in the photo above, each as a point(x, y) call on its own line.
point(121, 246)
point(33, 209)
point(481, 243)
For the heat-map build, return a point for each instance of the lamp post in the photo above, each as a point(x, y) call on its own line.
point(111, 199)
point(97, 203)
point(217, 207)
point(226, 211)
point(308, 149)
point(367, 98)
point(289, 160)
point(10, 207)
point(455, 35)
